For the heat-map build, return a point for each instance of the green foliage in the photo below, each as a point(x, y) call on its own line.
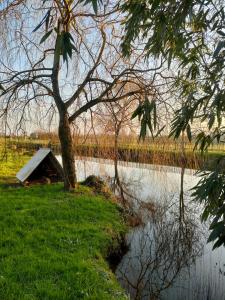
point(44, 38)
point(204, 140)
point(191, 34)
point(183, 30)
point(95, 4)
point(146, 113)
point(45, 20)
point(64, 44)
point(181, 122)
point(54, 244)
point(210, 191)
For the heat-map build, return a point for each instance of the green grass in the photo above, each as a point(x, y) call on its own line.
point(10, 163)
point(53, 244)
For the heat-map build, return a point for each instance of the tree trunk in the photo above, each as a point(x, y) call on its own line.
point(183, 166)
point(116, 136)
point(67, 150)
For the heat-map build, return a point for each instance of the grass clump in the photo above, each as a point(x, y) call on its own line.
point(53, 244)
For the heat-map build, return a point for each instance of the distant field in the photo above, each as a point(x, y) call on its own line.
point(166, 144)
point(160, 151)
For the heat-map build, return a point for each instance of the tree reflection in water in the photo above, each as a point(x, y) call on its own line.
point(159, 250)
point(160, 247)
point(164, 260)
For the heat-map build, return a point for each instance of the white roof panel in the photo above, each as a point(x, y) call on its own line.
point(32, 164)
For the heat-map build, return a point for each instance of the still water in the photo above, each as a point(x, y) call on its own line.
point(166, 260)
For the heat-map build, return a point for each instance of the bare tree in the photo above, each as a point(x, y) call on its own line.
point(117, 117)
point(76, 65)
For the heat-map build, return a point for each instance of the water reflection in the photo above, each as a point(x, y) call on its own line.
point(168, 257)
point(168, 241)
point(159, 251)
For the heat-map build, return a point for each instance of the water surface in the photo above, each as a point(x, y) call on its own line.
point(165, 260)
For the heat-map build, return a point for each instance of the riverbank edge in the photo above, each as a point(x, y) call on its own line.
point(191, 159)
point(110, 236)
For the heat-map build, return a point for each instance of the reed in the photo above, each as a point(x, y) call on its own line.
point(161, 151)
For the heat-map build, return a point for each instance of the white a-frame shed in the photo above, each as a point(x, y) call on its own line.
point(42, 167)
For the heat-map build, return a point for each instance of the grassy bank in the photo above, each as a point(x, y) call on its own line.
point(54, 244)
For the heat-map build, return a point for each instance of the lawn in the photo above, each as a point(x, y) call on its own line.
point(53, 243)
